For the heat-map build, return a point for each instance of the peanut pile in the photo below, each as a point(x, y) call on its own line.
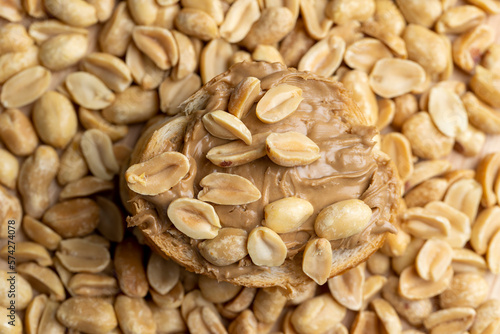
point(80, 79)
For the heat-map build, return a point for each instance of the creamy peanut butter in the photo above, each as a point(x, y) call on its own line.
point(349, 166)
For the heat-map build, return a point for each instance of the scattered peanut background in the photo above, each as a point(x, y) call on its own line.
point(9, 8)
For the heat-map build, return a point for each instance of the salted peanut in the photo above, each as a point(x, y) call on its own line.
point(448, 71)
point(406, 106)
point(40, 233)
point(92, 119)
point(247, 323)
point(12, 12)
point(414, 311)
point(48, 322)
point(9, 169)
point(317, 261)
point(158, 174)
point(378, 263)
point(465, 260)
point(481, 115)
point(416, 12)
point(27, 251)
point(162, 274)
point(143, 11)
point(465, 290)
point(486, 314)
point(62, 51)
point(324, 57)
point(315, 20)
point(42, 31)
point(458, 87)
point(470, 142)
point(343, 11)
point(239, 57)
point(173, 92)
point(425, 170)
point(457, 319)
point(423, 223)
point(426, 48)
point(54, 118)
point(43, 278)
point(229, 246)
point(365, 322)
point(116, 33)
point(89, 91)
point(433, 259)
point(348, 31)
point(434, 144)
point(129, 268)
point(61, 217)
point(492, 255)
point(19, 286)
point(398, 148)
point(268, 304)
point(78, 255)
point(217, 292)
point(241, 302)
point(111, 220)
point(63, 273)
point(388, 14)
point(427, 191)
point(387, 315)
point(239, 19)
point(372, 286)
point(468, 47)
point(396, 244)
point(215, 59)
point(364, 53)
point(97, 149)
point(228, 189)
point(143, 70)
point(342, 219)
point(407, 258)
point(358, 83)
point(14, 62)
point(196, 23)
point(347, 288)
point(287, 214)
point(243, 97)
point(36, 174)
point(25, 87)
point(34, 313)
point(85, 186)
point(457, 20)
point(291, 149)
point(412, 286)
point(134, 315)
point(274, 24)
point(484, 228)
point(133, 105)
point(158, 44)
point(87, 314)
point(224, 125)
point(238, 153)
point(14, 38)
point(317, 315)
point(487, 172)
point(110, 69)
point(188, 59)
point(204, 320)
point(378, 30)
point(73, 165)
point(168, 320)
point(489, 6)
point(485, 85)
point(278, 103)
point(393, 77)
point(460, 230)
point(296, 44)
point(77, 13)
point(93, 285)
point(491, 59)
point(386, 113)
point(265, 247)
point(193, 300)
point(267, 53)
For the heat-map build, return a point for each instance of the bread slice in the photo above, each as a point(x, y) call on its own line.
point(378, 186)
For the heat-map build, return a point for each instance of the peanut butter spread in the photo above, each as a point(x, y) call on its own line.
point(349, 167)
